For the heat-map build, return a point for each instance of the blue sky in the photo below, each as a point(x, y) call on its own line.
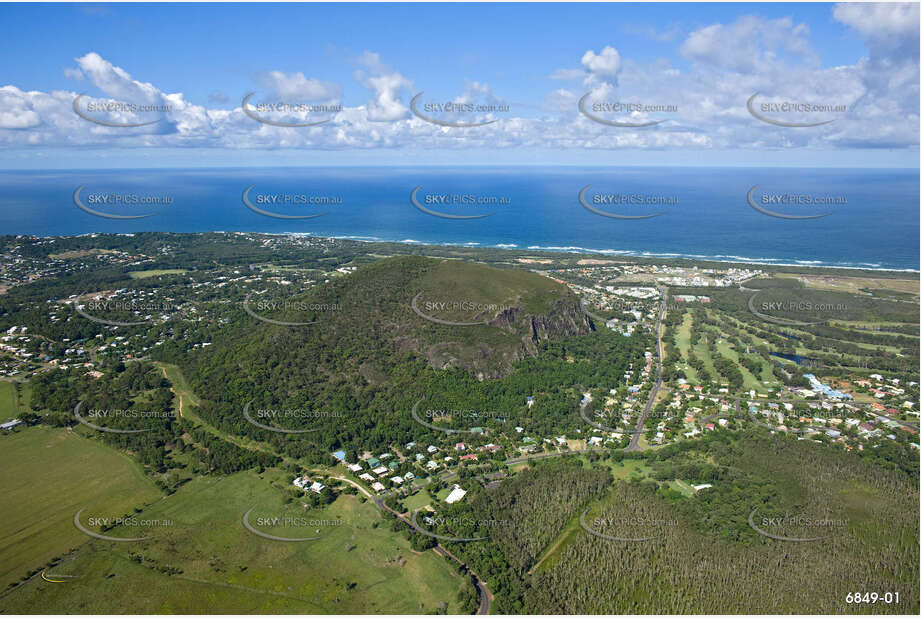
point(706, 60)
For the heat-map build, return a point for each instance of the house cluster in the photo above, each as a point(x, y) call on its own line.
point(377, 470)
point(833, 419)
point(625, 326)
point(823, 389)
point(891, 390)
point(22, 352)
point(622, 406)
point(689, 276)
point(306, 484)
point(17, 269)
point(690, 298)
point(402, 467)
point(10, 424)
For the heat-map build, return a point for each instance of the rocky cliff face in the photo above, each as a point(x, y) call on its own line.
point(565, 318)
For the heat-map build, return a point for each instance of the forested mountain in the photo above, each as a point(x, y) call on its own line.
point(353, 374)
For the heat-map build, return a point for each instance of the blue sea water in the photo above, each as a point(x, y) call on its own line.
point(874, 222)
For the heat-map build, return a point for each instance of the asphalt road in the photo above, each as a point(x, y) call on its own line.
point(641, 421)
point(485, 595)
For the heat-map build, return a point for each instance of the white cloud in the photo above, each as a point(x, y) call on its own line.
point(386, 85)
point(751, 45)
point(116, 82)
point(729, 62)
point(296, 88)
point(602, 68)
point(879, 21)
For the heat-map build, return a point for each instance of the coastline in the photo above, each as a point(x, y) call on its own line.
point(606, 253)
point(723, 259)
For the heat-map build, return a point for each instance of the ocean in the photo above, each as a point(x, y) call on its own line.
point(872, 215)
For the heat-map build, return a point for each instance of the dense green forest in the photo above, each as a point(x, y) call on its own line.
point(705, 558)
point(357, 373)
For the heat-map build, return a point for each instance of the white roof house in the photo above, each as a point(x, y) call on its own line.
point(456, 495)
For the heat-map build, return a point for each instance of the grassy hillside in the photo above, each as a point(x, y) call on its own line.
point(50, 474)
point(207, 562)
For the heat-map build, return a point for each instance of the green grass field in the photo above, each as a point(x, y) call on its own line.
point(48, 475)
point(186, 401)
point(702, 351)
point(630, 468)
point(682, 487)
point(749, 381)
point(461, 281)
point(416, 502)
point(358, 566)
point(683, 340)
point(144, 274)
point(13, 402)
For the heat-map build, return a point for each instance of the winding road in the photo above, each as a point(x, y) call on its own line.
point(485, 594)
